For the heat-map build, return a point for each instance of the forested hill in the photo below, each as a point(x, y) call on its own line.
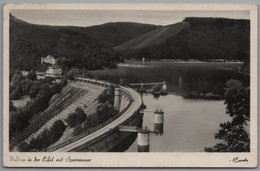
point(91, 47)
point(113, 34)
point(28, 43)
point(204, 38)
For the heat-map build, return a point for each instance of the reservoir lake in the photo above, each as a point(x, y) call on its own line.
point(189, 124)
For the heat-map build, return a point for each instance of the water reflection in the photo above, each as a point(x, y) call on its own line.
point(195, 79)
point(190, 122)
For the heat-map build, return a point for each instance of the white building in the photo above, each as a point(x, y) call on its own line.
point(54, 71)
point(48, 59)
point(25, 73)
point(40, 75)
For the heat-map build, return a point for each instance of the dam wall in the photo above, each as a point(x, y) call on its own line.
point(106, 136)
point(113, 139)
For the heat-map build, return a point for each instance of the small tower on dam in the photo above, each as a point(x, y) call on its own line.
point(143, 134)
point(158, 121)
point(143, 138)
point(117, 99)
point(164, 87)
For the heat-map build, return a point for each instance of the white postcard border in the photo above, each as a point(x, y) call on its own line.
point(151, 159)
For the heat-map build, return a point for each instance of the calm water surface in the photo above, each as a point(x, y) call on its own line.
point(189, 124)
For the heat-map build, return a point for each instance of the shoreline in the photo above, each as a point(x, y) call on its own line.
point(181, 61)
point(190, 97)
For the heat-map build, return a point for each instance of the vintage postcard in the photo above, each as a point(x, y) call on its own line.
point(130, 85)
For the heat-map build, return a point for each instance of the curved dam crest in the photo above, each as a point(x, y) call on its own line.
point(106, 137)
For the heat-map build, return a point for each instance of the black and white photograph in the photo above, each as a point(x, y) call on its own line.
point(144, 82)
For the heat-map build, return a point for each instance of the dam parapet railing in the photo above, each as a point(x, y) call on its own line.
point(93, 81)
point(93, 130)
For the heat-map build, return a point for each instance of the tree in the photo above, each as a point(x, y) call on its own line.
point(124, 82)
point(17, 93)
point(48, 80)
point(45, 139)
point(77, 130)
point(32, 75)
point(237, 101)
point(233, 133)
point(79, 111)
point(156, 88)
point(42, 92)
point(11, 106)
point(76, 118)
point(56, 131)
point(17, 121)
point(16, 79)
point(63, 81)
point(56, 88)
point(33, 91)
point(26, 85)
point(106, 95)
point(24, 146)
point(103, 97)
point(71, 75)
point(105, 112)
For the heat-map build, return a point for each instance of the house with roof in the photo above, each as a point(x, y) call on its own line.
point(53, 71)
point(48, 59)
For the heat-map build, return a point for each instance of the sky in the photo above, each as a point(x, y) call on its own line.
point(87, 18)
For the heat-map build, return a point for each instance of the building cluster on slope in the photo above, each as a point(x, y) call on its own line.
point(53, 71)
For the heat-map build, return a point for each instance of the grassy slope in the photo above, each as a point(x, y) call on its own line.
point(154, 37)
point(204, 38)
